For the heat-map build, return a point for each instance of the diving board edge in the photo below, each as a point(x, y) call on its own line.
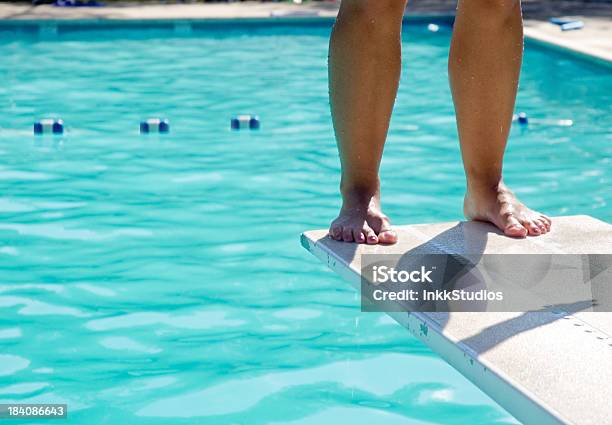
point(512, 396)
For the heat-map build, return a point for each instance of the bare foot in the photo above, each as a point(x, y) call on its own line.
point(499, 206)
point(361, 220)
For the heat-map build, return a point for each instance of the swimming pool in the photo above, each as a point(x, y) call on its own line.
point(156, 279)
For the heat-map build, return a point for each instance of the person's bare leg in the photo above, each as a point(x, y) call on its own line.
point(484, 66)
point(364, 70)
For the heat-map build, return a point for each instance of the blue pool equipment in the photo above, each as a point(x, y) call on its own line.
point(245, 121)
point(560, 21)
point(567, 24)
point(575, 25)
point(154, 125)
point(433, 27)
point(523, 119)
point(77, 3)
point(49, 126)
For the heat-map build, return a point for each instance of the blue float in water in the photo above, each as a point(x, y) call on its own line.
point(245, 121)
point(522, 119)
point(155, 125)
point(49, 126)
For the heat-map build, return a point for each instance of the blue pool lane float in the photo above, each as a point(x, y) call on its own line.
point(155, 125)
point(250, 122)
point(49, 126)
point(524, 120)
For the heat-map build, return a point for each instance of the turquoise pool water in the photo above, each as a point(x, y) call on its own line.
point(148, 279)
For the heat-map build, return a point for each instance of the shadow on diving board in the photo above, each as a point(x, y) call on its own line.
point(544, 367)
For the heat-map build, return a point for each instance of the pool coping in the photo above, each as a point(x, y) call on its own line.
point(568, 46)
point(50, 17)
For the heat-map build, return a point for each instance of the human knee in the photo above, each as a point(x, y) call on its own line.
point(374, 9)
point(495, 10)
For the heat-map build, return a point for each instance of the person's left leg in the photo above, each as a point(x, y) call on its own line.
point(484, 66)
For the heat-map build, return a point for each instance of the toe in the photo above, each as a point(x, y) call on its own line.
point(533, 228)
point(370, 235)
point(358, 236)
point(542, 225)
point(386, 235)
point(546, 222)
point(347, 234)
point(382, 226)
point(514, 228)
point(336, 232)
point(516, 231)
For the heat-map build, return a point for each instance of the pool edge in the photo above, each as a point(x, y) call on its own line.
point(531, 35)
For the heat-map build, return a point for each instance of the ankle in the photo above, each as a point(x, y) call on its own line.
point(356, 194)
point(484, 186)
point(488, 177)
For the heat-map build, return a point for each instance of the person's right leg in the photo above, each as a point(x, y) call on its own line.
point(364, 70)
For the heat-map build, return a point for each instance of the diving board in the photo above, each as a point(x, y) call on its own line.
point(546, 367)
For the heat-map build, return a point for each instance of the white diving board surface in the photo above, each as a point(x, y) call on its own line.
point(543, 367)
